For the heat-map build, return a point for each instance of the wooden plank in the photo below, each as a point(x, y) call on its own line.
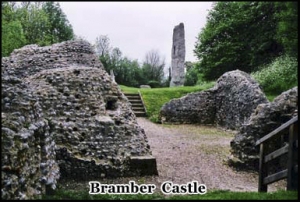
point(275, 177)
point(276, 153)
point(291, 175)
point(277, 130)
point(262, 171)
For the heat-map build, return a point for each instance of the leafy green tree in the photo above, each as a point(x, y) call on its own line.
point(238, 35)
point(191, 75)
point(12, 37)
point(58, 27)
point(34, 22)
point(287, 29)
point(127, 72)
point(41, 23)
point(12, 31)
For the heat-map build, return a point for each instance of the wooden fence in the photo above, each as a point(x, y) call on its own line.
point(288, 131)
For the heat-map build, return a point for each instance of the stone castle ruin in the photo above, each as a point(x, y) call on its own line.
point(264, 119)
point(64, 117)
point(235, 102)
point(178, 56)
point(228, 104)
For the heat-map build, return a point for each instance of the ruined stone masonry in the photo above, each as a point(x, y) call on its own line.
point(63, 116)
point(264, 119)
point(228, 104)
point(235, 102)
point(178, 56)
point(27, 148)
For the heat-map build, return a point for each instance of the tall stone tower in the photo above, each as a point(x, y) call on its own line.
point(178, 56)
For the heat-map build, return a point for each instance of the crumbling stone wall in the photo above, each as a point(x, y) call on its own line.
point(196, 107)
point(228, 104)
point(266, 118)
point(27, 148)
point(79, 110)
point(94, 126)
point(31, 59)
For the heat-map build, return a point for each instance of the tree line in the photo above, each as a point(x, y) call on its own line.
point(245, 36)
point(41, 23)
point(130, 72)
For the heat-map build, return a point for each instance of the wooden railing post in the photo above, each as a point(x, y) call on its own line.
point(291, 149)
point(292, 179)
point(262, 170)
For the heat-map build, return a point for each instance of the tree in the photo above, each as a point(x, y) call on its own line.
point(127, 72)
point(287, 29)
point(12, 32)
point(102, 45)
point(34, 22)
point(41, 23)
point(58, 27)
point(237, 35)
point(153, 66)
point(191, 76)
point(12, 37)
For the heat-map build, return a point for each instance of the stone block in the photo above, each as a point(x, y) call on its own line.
point(143, 165)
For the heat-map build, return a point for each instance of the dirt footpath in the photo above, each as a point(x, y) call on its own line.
point(190, 152)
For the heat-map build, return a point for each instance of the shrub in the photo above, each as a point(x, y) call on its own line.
point(191, 77)
point(278, 76)
point(154, 84)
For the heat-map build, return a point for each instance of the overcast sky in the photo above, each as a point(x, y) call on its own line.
point(138, 27)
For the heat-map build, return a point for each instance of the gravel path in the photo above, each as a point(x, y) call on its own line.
point(186, 153)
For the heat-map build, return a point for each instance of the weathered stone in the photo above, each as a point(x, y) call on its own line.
point(143, 165)
point(193, 108)
point(236, 98)
point(145, 86)
point(178, 56)
point(89, 123)
point(27, 151)
point(266, 118)
point(228, 104)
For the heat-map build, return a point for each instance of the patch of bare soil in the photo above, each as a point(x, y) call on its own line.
point(186, 153)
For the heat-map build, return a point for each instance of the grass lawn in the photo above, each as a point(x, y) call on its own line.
point(155, 98)
point(210, 195)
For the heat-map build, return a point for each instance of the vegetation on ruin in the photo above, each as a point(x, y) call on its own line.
point(210, 195)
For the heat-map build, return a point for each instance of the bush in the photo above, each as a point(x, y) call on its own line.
point(154, 84)
point(278, 76)
point(191, 77)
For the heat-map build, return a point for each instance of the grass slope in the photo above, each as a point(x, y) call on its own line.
point(155, 98)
